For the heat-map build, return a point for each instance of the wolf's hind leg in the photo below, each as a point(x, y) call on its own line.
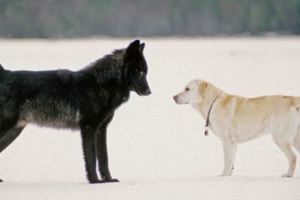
point(9, 134)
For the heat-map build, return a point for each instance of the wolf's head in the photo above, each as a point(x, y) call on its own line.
point(135, 68)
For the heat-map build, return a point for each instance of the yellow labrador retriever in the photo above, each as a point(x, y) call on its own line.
point(235, 119)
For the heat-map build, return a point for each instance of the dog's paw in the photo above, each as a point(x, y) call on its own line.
point(287, 175)
point(224, 175)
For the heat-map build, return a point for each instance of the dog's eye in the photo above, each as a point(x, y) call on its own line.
point(187, 89)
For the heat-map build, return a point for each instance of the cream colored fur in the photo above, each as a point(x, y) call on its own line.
point(235, 119)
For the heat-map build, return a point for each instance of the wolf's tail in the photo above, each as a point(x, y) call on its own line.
point(1, 68)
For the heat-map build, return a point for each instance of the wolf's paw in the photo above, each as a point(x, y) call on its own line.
point(112, 180)
point(286, 175)
point(94, 181)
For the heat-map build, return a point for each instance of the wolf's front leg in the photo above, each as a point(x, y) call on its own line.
point(229, 149)
point(102, 153)
point(88, 135)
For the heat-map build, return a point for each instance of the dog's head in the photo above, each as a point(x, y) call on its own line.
point(193, 92)
point(136, 69)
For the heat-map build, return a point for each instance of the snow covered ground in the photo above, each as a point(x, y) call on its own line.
point(157, 149)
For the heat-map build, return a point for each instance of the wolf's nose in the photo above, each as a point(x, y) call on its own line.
point(148, 92)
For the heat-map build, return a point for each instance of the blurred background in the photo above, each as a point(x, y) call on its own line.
point(129, 18)
point(156, 148)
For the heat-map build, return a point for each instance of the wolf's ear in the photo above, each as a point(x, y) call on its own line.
point(133, 48)
point(142, 47)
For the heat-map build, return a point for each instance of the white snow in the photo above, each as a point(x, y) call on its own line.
point(157, 149)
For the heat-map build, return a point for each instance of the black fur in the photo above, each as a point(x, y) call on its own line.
point(84, 100)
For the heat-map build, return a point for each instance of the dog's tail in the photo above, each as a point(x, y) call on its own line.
point(297, 139)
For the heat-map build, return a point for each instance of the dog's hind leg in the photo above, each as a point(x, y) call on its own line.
point(286, 148)
point(297, 141)
point(229, 149)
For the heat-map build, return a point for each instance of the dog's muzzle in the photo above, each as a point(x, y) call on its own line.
point(176, 99)
point(179, 100)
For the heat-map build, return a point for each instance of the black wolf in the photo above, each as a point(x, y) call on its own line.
point(83, 100)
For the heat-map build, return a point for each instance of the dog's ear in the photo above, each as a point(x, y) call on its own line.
point(202, 87)
point(142, 47)
point(133, 48)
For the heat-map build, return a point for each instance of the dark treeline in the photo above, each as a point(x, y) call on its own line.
point(123, 18)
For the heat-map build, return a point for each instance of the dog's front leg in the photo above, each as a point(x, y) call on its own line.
point(102, 152)
point(229, 149)
point(88, 135)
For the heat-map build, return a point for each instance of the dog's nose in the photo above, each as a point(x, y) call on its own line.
point(175, 98)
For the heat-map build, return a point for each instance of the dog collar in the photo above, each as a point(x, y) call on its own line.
point(206, 128)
